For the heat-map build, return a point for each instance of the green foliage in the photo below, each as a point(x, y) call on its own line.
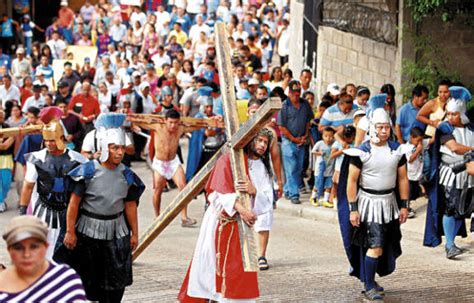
point(431, 66)
point(423, 8)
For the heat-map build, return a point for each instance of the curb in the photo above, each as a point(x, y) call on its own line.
point(306, 210)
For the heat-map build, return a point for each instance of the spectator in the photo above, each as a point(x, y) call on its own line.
point(31, 275)
point(434, 111)
point(27, 27)
point(408, 112)
point(37, 100)
point(66, 21)
point(7, 33)
point(8, 91)
point(390, 91)
point(85, 107)
point(350, 89)
point(179, 33)
point(21, 67)
point(306, 77)
point(294, 121)
point(74, 131)
point(362, 96)
point(70, 76)
point(276, 78)
point(6, 164)
point(339, 114)
point(414, 154)
point(284, 42)
point(87, 12)
point(323, 169)
point(198, 28)
point(57, 46)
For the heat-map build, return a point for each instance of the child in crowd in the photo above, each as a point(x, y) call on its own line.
point(348, 137)
point(414, 154)
point(323, 169)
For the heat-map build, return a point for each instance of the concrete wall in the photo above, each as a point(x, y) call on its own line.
point(348, 58)
point(296, 43)
point(457, 42)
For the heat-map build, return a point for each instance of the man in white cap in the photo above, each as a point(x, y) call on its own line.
point(46, 181)
point(21, 67)
point(372, 203)
point(102, 221)
point(450, 191)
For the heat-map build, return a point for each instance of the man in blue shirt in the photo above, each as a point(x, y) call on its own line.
point(408, 112)
point(294, 120)
point(7, 33)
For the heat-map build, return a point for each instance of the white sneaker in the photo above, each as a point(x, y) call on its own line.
point(3, 207)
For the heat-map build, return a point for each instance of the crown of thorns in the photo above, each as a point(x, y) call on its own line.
point(266, 133)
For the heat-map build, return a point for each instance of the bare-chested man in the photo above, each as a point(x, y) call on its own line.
point(166, 164)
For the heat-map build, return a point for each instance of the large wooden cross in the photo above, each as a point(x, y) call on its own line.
point(237, 137)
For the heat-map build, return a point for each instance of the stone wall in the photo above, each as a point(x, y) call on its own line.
point(457, 42)
point(348, 58)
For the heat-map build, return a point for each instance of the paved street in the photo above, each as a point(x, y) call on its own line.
point(306, 257)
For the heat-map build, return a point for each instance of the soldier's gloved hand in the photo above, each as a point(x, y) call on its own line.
point(22, 210)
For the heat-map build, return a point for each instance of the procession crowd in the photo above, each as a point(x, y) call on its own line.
point(160, 58)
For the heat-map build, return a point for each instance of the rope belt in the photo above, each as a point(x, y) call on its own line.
point(222, 271)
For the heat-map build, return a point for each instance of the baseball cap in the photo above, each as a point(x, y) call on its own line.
point(333, 89)
point(254, 82)
point(87, 60)
point(144, 85)
point(39, 73)
point(136, 74)
point(24, 227)
point(20, 50)
point(166, 91)
point(63, 84)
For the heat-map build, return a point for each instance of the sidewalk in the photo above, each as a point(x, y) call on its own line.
point(329, 215)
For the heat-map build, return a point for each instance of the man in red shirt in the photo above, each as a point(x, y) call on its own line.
point(85, 106)
point(66, 18)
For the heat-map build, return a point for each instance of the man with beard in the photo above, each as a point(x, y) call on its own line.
point(224, 278)
point(46, 182)
point(372, 203)
point(102, 223)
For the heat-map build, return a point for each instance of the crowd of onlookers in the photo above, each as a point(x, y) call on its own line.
point(160, 56)
point(150, 58)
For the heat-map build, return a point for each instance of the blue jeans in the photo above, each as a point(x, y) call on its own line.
point(293, 158)
point(6, 181)
point(28, 43)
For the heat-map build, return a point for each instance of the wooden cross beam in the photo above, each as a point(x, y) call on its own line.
point(196, 184)
point(237, 159)
point(13, 131)
point(151, 119)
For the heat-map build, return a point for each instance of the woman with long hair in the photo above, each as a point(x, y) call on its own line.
point(389, 89)
point(185, 75)
point(276, 78)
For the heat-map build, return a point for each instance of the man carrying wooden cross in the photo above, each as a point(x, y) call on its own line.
point(216, 271)
point(166, 164)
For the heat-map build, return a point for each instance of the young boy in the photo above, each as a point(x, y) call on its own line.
point(323, 169)
point(414, 153)
point(348, 136)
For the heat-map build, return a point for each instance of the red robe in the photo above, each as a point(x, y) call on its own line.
point(237, 283)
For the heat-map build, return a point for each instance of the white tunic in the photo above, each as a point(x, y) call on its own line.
point(202, 275)
point(263, 203)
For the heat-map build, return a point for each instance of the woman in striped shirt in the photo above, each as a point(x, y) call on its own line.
point(31, 278)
